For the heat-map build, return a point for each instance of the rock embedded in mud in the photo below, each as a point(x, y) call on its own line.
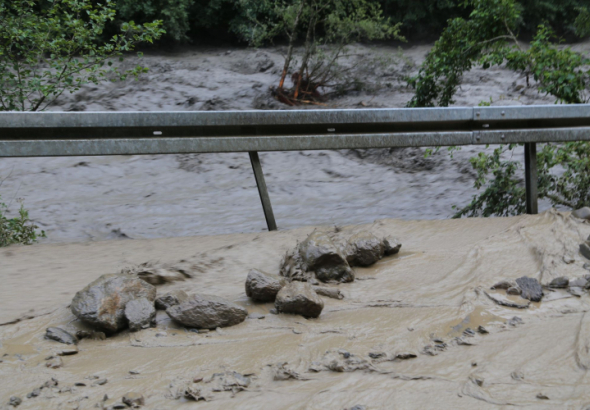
point(364, 249)
point(576, 291)
point(531, 288)
point(582, 213)
point(60, 335)
point(171, 298)
point(207, 312)
point(140, 313)
point(54, 363)
point(503, 301)
point(299, 298)
point(578, 283)
point(102, 303)
point(263, 287)
point(585, 250)
point(321, 255)
point(391, 246)
point(328, 292)
point(133, 399)
point(15, 401)
point(560, 282)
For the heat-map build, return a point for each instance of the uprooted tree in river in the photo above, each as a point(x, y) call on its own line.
point(489, 37)
point(326, 28)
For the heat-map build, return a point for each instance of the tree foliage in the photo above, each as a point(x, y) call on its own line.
point(487, 38)
point(326, 28)
point(48, 48)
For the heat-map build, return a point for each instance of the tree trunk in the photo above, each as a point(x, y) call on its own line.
point(308, 46)
point(292, 39)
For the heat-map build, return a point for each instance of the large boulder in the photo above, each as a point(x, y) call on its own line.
point(364, 249)
point(102, 303)
point(321, 255)
point(140, 313)
point(263, 287)
point(207, 312)
point(299, 298)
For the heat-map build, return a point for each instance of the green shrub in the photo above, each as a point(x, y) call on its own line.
point(19, 229)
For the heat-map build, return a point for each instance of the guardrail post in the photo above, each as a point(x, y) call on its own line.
point(264, 198)
point(531, 179)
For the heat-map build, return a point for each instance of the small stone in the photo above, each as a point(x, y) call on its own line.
point(513, 291)
point(133, 372)
point(576, 291)
point(560, 282)
point(60, 335)
point(586, 266)
point(515, 321)
point(68, 351)
point(504, 285)
point(358, 407)
point(80, 384)
point(50, 383)
point(482, 330)
point(582, 213)
point(473, 364)
point(133, 399)
point(15, 401)
point(541, 396)
point(391, 246)
point(273, 311)
point(329, 292)
point(299, 298)
point(376, 355)
point(469, 332)
point(405, 356)
point(119, 406)
point(517, 375)
point(55, 363)
point(255, 316)
point(578, 283)
point(140, 313)
point(34, 393)
point(479, 381)
point(100, 382)
point(320, 255)
point(172, 298)
point(585, 250)
point(531, 288)
point(162, 334)
point(263, 287)
point(568, 260)
point(297, 332)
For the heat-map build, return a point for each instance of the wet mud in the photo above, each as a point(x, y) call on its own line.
point(416, 330)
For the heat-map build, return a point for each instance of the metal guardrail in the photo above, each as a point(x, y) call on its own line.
point(133, 133)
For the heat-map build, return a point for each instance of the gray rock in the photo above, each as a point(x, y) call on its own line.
point(585, 250)
point(140, 313)
point(559, 283)
point(328, 292)
point(587, 266)
point(34, 393)
point(320, 255)
point(576, 291)
point(171, 298)
point(582, 213)
point(578, 283)
point(102, 303)
point(531, 288)
point(299, 298)
point(60, 335)
point(364, 249)
point(207, 312)
point(391, 245)
point(263, 287)
point(513, 290)
point(504, 284)
point(15, 401)
point(133, 399)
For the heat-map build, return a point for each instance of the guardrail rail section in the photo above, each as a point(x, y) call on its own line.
point(25, 134)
